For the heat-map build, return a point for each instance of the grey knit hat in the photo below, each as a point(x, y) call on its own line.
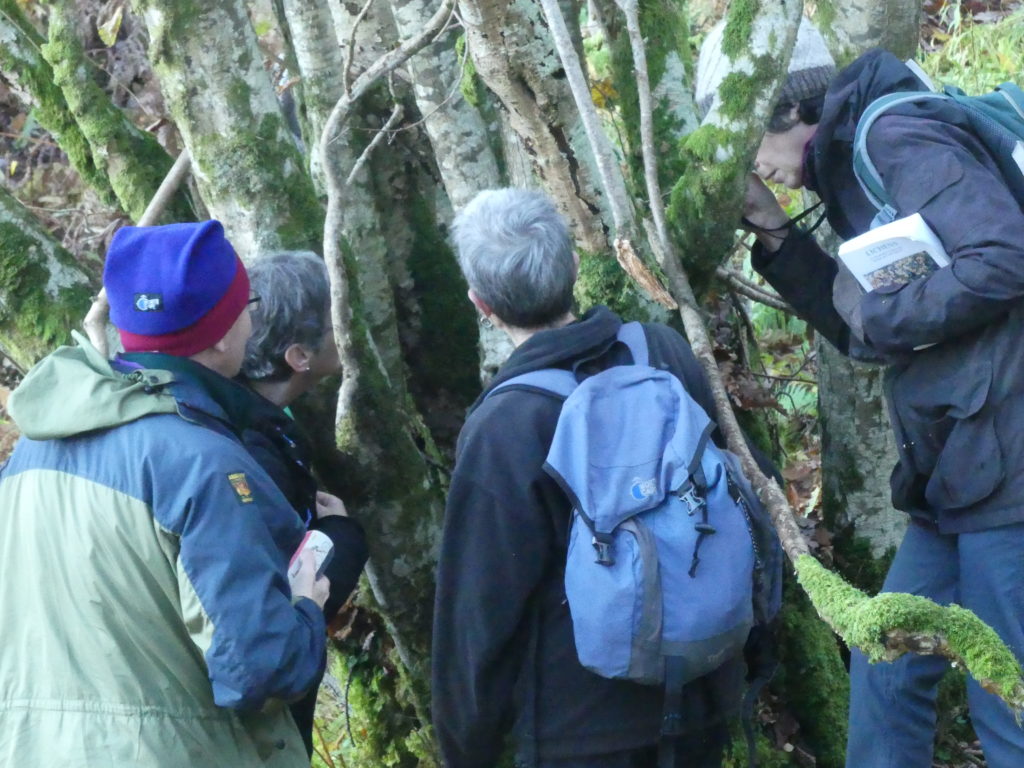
point(811, 68)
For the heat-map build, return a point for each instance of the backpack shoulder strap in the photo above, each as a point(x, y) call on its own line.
point(867, 174)
point(633, 336)
point(546, 381)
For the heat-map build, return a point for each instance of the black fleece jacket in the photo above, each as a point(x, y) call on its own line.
point(503, 652)
point(957, 407)
point(275, 440)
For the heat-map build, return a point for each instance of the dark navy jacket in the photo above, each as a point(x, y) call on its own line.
point(957, 407)
point(503, 651)
point(274, 439)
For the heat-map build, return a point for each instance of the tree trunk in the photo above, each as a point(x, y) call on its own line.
point(854, 26)
point(32, 79)
point(515, 58)
point(132, 161)
point(43, 290)
point(246, 163)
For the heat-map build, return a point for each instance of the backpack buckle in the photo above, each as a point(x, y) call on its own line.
point(693, 500)
point(604, 551)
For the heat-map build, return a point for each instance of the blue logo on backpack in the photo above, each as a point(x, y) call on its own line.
point(679, 569)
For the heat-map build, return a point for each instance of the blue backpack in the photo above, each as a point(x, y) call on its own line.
point(997, 119)
point(672, 559)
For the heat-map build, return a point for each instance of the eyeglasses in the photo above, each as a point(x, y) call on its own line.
point(253, 301)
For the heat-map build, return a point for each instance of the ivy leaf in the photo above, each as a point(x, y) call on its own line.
point(108, 30)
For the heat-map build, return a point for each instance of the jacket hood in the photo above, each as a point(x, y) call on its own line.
point(75, 390)
point(829, 167)
point(552, 348)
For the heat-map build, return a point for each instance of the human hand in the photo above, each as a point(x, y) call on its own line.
point(328, 505)
point(762, 210)
point(306, 584)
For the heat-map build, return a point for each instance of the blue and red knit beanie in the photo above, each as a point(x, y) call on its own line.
point(176, 289)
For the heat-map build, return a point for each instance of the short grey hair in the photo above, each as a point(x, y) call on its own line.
point(516, 254)
point(295, 297)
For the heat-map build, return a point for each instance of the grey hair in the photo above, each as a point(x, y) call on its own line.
point(515, 252)
point(294, 300)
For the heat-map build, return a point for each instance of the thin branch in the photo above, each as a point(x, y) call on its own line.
point(167, 189)
point(753, 291)
point(350, 54)
point(397, 112)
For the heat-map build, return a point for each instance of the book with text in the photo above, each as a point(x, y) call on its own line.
point(894, 253)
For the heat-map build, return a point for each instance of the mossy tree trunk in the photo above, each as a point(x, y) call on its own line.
point(248, 168)
point(44, 292)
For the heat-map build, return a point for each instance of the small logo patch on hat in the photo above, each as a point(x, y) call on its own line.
point(149, 302)
point(241, 486)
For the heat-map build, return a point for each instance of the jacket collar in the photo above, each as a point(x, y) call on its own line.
point(558, 347)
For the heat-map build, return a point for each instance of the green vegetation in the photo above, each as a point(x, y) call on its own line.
point(977, 57)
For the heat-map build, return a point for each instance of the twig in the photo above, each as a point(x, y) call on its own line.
point(397, 113)
point(793, 379)
point(752, 291)
point(350, 54)
point(325, 753)
point(341, 310)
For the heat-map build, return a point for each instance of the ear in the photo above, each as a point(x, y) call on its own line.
point(479, 303)
point(297, 357)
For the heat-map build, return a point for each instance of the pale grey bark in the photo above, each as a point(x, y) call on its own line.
point(857, 451)
point(456, 129)
point(246, 164)
point(516, 59)
point(854, 26)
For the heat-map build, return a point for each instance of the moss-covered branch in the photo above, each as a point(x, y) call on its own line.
point(891, 624)
point(22, 63)
point(132, 160)
point(43, 290)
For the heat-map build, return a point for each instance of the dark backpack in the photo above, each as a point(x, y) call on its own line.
point(672, 558)
point(997, 118)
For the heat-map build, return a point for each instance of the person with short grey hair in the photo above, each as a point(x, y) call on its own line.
point(503, 648)
point(292, 315)
point(291, 349)
point(516, 254)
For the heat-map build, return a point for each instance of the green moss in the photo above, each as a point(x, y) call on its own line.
point(601, 280)
point(133, 161)
point(812, 679)
point(469, 84)
point(33, 321)
point(665, 27)
point(863, 622)
point(260, 160)
point(50, 108)
point(739, 27)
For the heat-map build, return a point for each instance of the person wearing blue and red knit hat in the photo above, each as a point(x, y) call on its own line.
point(144, 550)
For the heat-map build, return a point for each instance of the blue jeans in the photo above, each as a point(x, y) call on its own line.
point(892, 705)
point(696, 750)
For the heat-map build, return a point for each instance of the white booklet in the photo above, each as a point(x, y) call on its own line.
point(894, 253)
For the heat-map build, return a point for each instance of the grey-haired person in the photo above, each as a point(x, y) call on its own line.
point(504, 658)
point(290, 351)
point(951, 342)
